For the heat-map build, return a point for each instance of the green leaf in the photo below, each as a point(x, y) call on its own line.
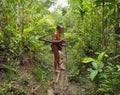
point(27, 30)
point(89, 69)
point(39, 73)
point(101, 55)
point(101, 65)
point(103, 76)
point(118, 66)
point(94, 64)
point(87, 60)
point(93, 74)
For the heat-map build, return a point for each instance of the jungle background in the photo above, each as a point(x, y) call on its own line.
point(93, 49)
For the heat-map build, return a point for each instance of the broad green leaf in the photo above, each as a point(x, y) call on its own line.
point(101, 55)
point(95, 65)
point(86, 60)
point(93, 74)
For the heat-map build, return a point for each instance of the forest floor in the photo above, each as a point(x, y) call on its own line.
point(32, 86)
point(25, 83)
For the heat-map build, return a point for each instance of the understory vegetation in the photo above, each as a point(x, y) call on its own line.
point(93, 50)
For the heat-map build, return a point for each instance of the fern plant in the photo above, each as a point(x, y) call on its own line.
point(109, 80)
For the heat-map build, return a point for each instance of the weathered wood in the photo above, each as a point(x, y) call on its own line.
point(57, 78)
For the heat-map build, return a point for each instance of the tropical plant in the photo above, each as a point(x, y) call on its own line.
point(97, 65)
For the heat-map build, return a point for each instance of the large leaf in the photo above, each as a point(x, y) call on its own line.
point(93, 74)
point(95, 65)
point(87, 60)
point(101, 55)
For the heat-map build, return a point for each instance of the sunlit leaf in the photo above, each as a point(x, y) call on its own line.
point(101, 55)
point(27, 30)
point(87, 60)
point(118, 66)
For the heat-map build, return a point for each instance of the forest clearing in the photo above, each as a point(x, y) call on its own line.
point(59, 47)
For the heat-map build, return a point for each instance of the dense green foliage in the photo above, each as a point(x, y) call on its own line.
point(93, 30)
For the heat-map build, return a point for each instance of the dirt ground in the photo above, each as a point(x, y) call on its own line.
point(60, 85)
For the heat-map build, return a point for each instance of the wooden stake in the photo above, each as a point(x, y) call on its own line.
point(57, 78)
